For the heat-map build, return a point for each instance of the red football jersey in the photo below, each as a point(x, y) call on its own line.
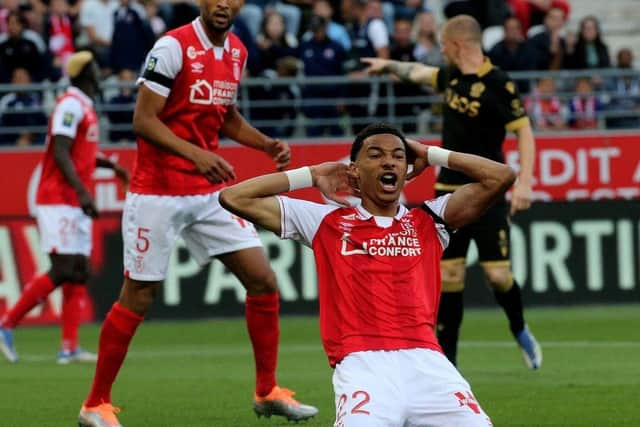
point(75, 117)
point(378, 278)
point(200, 81)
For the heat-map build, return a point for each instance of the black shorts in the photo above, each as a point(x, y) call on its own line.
point(490, 232)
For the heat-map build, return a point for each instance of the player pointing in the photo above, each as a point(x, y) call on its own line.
point(481, 104)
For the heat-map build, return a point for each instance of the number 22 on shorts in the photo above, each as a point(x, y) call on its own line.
point(359, 399)
point(142, 241)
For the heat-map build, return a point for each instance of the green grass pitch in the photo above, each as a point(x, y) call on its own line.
point(201, 373)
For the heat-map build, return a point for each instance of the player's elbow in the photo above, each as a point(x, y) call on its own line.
point(505, 177)
point(141, 123)
point(230, 201)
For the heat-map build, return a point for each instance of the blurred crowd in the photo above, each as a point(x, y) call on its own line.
point(316, 38)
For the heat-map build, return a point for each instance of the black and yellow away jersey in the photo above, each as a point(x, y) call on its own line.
point(479, 109)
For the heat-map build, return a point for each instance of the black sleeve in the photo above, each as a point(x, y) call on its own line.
point(508, 104)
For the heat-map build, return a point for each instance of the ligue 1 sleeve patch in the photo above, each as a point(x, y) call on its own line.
point(151, 64)
point(67, 119)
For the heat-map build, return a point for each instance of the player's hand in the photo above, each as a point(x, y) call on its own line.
point(213, 167)
point(87, 204)
point(521, 197)
point(376, 66)
point(279, 151)
point(123, 176)
point(420, 163)
point(334, 181)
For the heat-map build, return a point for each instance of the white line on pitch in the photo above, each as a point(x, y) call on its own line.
point(192, 351)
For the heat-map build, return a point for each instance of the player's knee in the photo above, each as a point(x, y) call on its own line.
point(138, 296)
point(499, 278)
point(262, 282)
point(62, 271)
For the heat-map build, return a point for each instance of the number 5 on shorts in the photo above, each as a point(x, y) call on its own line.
point(142, 244)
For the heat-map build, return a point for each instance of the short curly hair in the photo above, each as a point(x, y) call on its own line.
point(378, 129)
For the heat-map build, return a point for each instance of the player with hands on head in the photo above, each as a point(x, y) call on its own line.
point(187, 98)
point(378, 273)
point(65, 208)
point(481, 104)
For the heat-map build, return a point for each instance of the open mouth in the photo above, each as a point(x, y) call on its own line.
point(389, 181)
point(221, 16)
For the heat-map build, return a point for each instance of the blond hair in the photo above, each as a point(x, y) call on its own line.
point(463, 27)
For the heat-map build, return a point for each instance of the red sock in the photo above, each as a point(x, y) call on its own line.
point(117, 330)
point(34, 293)
point(261, 312)
point(73, 295)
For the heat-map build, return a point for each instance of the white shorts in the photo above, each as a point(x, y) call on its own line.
point(403, 388)
point(152, 224)
point(64, 230)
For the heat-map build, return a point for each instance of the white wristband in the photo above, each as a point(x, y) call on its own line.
point(438, 156)
point(299, 178)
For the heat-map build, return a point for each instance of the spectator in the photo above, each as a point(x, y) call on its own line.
point(158, 25)
point(369, 38)
point(132, 37)
point(120, 112)
point(282, 101)
point(253, 13)
point(59, 34)
point(584, 107)
point(7, 7)
point(12, 114)
point(402, 9)
point(544, 107)
point(322, 56)
point(97, 21)
point(336, 32)
point(17, 51)
point(533, 12)
point(590, 51)
point(549, 47)
point(274, 42)
point(512, 52)
point(241, 30)
point(402, 49)
point(486, 12)
point(625, 93)
point(427, 50)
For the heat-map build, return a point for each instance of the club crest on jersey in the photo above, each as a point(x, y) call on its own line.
point(235, 53)
point(192, 53)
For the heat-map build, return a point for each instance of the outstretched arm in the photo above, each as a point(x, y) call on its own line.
point(412, 72)
point(470, 201)
point(254, 199)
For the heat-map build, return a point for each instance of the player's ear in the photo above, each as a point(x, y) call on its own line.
point(352, 174)
point(352, 171)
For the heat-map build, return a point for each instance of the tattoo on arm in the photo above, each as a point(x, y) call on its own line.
point(402, 70)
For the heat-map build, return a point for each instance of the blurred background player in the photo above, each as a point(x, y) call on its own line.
point(378, 273)
point(64, 209)
point(187, 96)
point(481, 104)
